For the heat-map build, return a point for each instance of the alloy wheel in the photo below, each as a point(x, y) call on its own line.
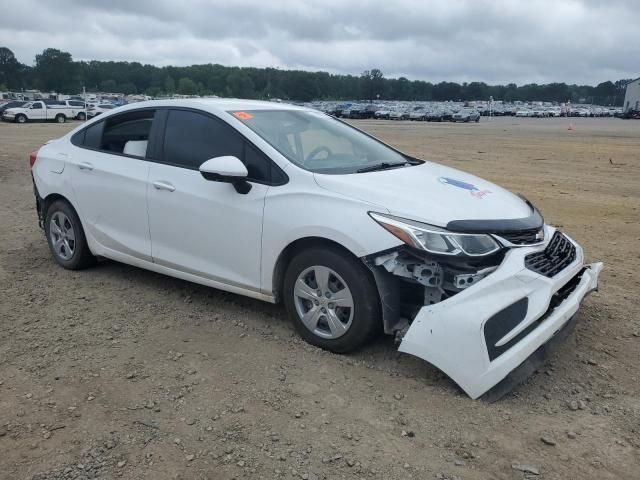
point(62, 235)
point(323, 302)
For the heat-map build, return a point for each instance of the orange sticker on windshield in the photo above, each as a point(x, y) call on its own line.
point(242, 115)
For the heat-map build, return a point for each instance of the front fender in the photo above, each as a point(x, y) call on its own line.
point(294, 215)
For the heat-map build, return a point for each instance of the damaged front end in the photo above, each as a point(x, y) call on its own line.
point(480, 314)
point(408, 279)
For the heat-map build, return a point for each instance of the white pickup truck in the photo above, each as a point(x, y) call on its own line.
point(39, 110)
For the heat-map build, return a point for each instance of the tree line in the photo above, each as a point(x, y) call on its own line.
point(56, 71)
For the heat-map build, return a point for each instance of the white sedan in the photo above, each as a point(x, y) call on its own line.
point(287, 204)
point(95, 110)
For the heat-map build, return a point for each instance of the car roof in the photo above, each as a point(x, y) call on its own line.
point(218, 105)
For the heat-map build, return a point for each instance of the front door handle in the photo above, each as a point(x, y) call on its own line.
point(85, 166)
point(160, 185)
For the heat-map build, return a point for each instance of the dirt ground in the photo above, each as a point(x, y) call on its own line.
point(116, 372)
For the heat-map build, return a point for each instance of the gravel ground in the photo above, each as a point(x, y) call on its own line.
point(116, 372)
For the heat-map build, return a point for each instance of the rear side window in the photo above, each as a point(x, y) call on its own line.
point(89, 137)
point(192, 138)
point(127, 133)
point(75, 103)
point(93, 135)
point(127, 127)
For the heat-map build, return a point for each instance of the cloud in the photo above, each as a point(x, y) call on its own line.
point(498, 41)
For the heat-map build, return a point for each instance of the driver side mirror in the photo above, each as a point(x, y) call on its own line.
point(228, 169)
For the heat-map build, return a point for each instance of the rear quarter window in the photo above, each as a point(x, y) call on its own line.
point(89, 137)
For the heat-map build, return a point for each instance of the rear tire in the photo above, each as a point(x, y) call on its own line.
point(66, 238)
point(82, 116)
point(330, 322)
point(60, 118)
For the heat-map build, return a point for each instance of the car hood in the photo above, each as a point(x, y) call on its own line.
point(429, 193)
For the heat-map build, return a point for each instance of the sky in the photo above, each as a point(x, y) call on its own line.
point(495, 41)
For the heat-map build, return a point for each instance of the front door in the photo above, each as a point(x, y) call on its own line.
point(37, 111)
point(198, 226)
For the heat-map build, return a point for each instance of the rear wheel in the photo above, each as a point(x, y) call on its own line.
point(332, 299)
point(82, 116)
point(66, 238)
point(60, 118)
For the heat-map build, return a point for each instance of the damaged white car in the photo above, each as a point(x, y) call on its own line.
point(284, 203)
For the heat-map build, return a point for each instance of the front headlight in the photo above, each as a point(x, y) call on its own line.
point(436, 240)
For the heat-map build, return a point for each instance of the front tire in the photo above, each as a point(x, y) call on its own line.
point(60, 118)
point(332, 299)
point(82, 116)
point(20, 118)
point(66, 238)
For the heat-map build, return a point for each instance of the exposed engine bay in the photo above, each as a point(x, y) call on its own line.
point(409, 279)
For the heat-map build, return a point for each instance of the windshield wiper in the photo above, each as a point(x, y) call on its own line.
point(381, 166)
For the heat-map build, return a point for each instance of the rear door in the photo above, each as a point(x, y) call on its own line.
point(110, 171)
point(204, 227)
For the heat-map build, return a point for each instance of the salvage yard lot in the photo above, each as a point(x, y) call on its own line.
point(120, 372)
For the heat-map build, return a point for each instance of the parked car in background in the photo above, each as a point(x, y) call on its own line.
point(418, 114)
point(77, 107)
point(11, 104)
point(399, 114)
point(524, 112)
point(95, 110)
point(439, 115)
point(39, 111)
point(466, 115)
point(382, 114)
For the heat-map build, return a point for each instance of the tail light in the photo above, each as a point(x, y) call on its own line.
point(33, 156)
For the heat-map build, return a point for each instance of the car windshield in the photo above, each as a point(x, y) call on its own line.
point(318, 142)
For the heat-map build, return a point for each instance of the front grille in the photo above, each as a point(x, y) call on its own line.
point(558, 255)
point(523, 237)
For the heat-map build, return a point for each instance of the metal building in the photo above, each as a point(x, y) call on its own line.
point(632, 96)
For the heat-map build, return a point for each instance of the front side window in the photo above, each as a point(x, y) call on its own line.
point(36, 106)
point(319, 143)
point(192, 138)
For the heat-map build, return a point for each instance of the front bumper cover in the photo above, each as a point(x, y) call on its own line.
point(450, 334)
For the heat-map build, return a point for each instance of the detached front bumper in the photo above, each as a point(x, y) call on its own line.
point(482, 334)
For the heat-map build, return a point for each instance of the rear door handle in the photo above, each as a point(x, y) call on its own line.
point(160, 185)
point(85, 166)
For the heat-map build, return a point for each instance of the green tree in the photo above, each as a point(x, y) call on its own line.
point(108, 85)
point(10, 69)
point(186, 86)
point(56, 71)
point(373, 83)
point(240, 84)
point(153, 91)
point(128, 88)
point(169, 84)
